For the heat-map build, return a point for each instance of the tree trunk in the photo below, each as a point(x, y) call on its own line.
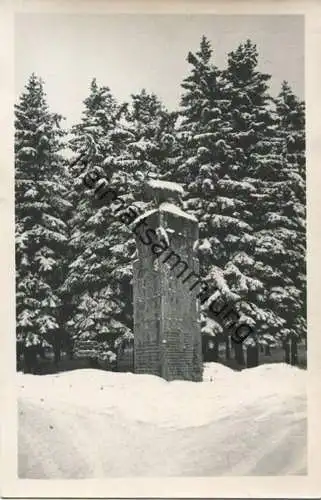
point(69, 347)
point(252, 356)
point(294, 351)
point(210, 348)
point(239, 354)
point(57, 347)
point(212, 351)
point(94, 363)
point(19, 353)
point(57, 354)
point(227, 348)
point(215, 353)
point(286, 347)
point(267, 350)
point(30, 359)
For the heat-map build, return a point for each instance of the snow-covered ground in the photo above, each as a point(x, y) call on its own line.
point(90, 424)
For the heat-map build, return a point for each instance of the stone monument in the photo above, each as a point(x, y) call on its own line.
point(167, 338)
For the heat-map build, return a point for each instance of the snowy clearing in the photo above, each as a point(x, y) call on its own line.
point(91, 423)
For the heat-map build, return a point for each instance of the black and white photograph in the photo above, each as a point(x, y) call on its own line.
point(160, 246)
point(160, 235)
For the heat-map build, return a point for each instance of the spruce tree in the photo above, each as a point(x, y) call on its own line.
point(251, 121)
point(149, 153)
point(98, 313)
point(152, 149)
point(204, 155)
point(125, 144)
point(41, 187)
point(284, 218)
point(274, 210)
point(218, 188)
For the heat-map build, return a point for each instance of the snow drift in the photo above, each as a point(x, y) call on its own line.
point(91, 423)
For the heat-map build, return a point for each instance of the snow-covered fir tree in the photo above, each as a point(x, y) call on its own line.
point(41, 189)
point(251, 122)
point(282, 167)
point(204, 157)
point(126, 144)
point(219, 120)
point(153, 149)
point(98, 314)
point(272, 209)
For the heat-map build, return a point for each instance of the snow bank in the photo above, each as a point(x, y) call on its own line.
point(254, 412)
point(215, 371)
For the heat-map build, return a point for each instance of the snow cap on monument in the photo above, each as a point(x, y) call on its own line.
point(162, 191)
point(167, 197)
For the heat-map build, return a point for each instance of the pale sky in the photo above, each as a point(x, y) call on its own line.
point(127, 52)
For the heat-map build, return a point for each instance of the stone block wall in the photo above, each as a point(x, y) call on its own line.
point(166, 317)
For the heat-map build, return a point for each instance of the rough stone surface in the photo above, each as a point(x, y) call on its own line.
point(166, 326)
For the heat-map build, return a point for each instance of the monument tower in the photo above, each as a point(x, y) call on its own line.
point(167, 338)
